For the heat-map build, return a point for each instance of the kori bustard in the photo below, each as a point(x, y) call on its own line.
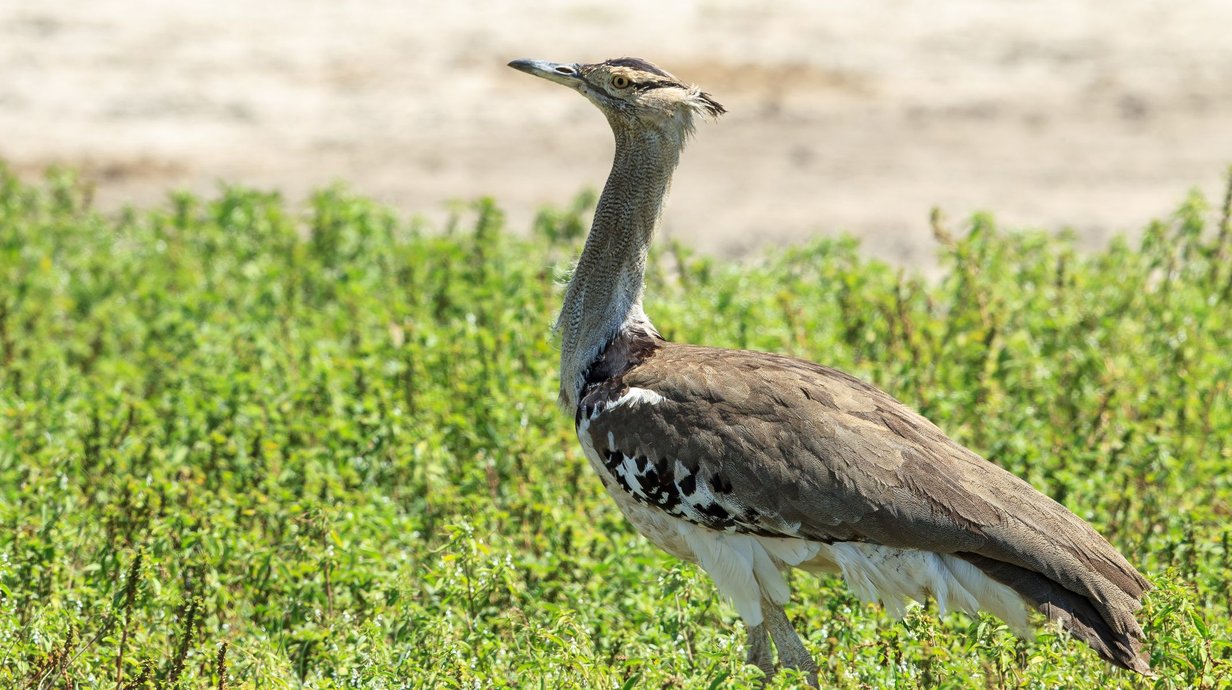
point(748, 463)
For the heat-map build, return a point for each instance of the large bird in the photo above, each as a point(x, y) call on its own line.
point(749, 463)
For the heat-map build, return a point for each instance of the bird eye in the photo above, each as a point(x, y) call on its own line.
point(620, 82)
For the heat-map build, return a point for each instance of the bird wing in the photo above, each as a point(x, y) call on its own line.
point(766, 444)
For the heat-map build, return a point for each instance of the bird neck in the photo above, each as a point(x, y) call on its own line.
point(604, 297)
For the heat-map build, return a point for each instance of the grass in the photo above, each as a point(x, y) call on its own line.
point(248, 446)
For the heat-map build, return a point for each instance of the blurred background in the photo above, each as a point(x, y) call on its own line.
point(854, 116)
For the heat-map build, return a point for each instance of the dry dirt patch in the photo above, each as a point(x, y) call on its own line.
point(855, 117)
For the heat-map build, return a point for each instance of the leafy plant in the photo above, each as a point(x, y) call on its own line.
point(243, 445)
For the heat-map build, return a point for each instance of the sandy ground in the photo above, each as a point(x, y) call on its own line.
point(853, 116)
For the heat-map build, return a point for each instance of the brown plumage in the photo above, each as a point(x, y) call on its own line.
point(846, 462)
point(749, 463)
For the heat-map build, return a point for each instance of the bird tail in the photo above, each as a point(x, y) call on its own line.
point(1114, 633)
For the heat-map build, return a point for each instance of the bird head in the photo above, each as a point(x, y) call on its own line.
point(631, 92)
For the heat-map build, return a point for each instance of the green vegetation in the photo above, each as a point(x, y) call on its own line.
point(320, 449)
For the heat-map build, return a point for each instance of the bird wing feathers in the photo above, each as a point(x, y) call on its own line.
point(779, 446)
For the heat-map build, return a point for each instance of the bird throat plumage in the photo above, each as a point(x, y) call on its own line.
point(604, 297)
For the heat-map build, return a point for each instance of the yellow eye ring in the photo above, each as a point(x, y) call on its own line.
point(620, 82)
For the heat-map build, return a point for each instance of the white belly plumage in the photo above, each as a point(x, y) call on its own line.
point(747, 567)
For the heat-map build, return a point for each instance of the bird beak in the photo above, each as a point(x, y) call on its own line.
point(569, 75)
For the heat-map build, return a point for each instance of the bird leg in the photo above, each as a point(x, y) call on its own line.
point(792, 653)
point(759, 654)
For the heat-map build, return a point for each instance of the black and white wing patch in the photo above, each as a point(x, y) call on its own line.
point(671, 487)
point(686, 488)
